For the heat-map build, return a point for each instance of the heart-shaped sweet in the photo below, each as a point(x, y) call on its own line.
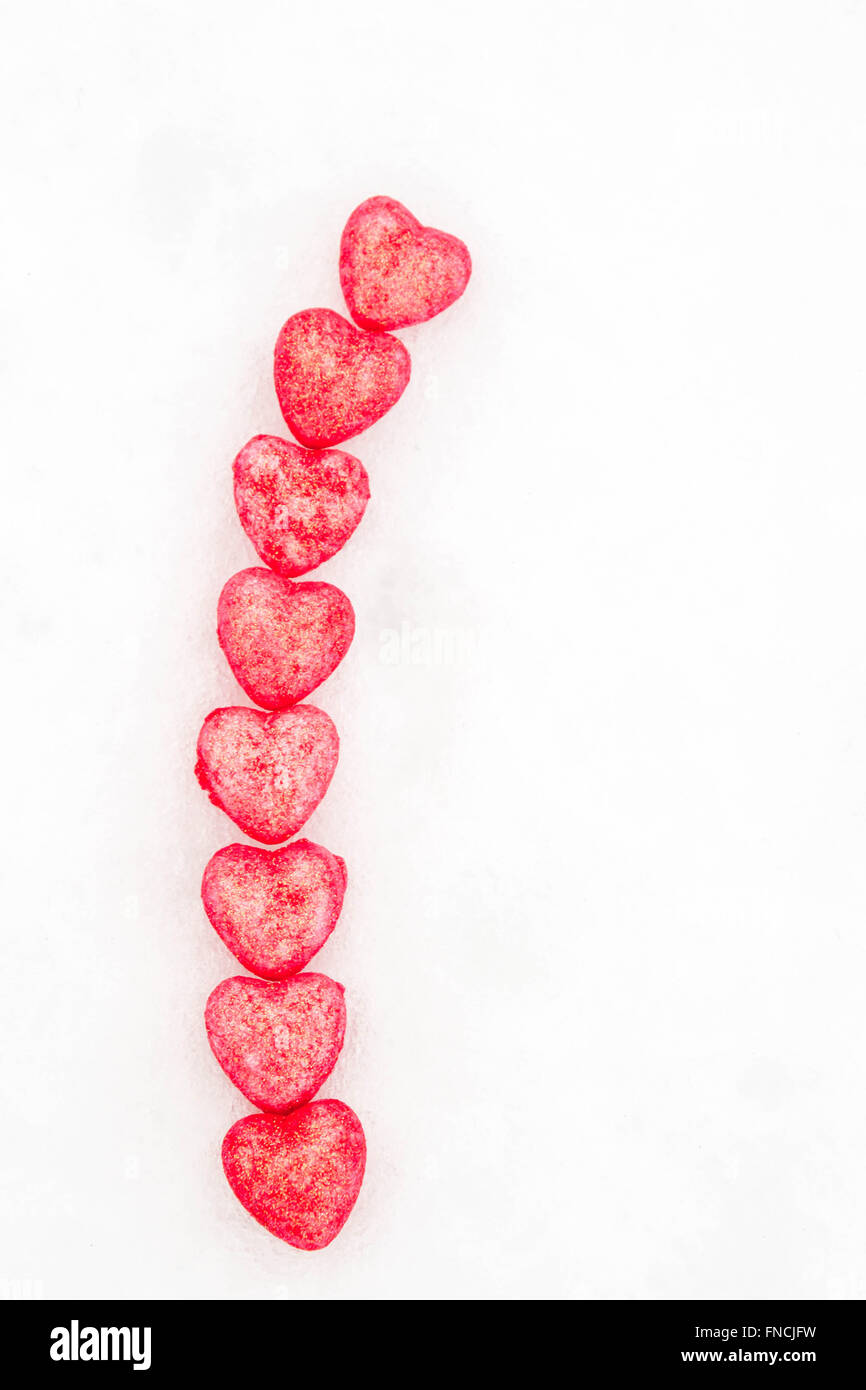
point(274, 909)
point(299, 1175)
point(267, 771)
point(395, 272)
point(282, 639)
point(298, 506)
point(277, 1041)
point(332, 380)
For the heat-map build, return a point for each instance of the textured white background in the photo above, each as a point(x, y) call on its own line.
point(604, 940)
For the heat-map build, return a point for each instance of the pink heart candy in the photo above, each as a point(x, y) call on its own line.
point(274, 909)
point(277, 1041)
point(282, 639)
point(332, 380)
point(298, 506)
point(268, 772)
point(395, 272)
point(299, 1175)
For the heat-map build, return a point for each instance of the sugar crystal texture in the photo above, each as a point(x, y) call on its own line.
point(333, 380)
point(282, 639)
point(274, 909)
point(299, 1175)
point(298, 506)
point(268, 772)
point(277, 1041)
point(393, 271)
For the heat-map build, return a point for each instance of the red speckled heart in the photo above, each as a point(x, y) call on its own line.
point(274, 909)
point(282, 639)
point(267, 771)
point(395, 272)
point(332, 380)
point(299, 1175)
point(277, 1041)
point(298, 506)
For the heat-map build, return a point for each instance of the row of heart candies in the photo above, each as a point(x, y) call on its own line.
point(297, 1167)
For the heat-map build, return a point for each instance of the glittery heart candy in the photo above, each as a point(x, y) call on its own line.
point(395, 272)
point(267, 771)
point(299, 1175)
point(274, 909)
point(298, 506)
point(332, 380)
point(282, 639)
point(277, 1041)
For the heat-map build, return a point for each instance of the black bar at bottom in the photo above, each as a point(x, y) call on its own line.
point(73, 1337)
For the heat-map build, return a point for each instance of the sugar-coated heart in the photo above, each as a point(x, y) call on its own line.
point(274, 909)
point(394, 271)
point(267, 771)
point(299, 1175)
point(332, 380)
point(298, 506)
point(277, 1041)
point(282, 639)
